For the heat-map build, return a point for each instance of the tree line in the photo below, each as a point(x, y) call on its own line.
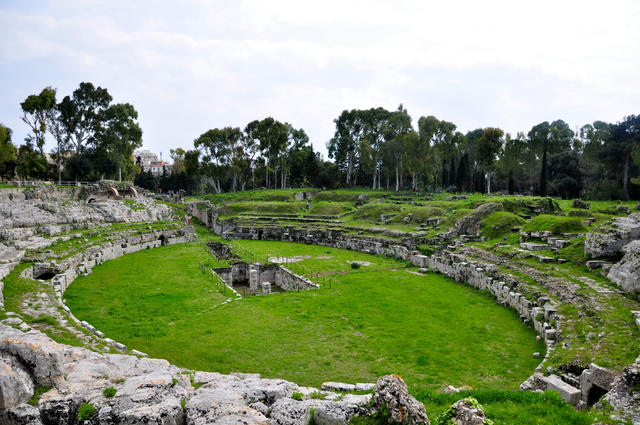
point(375, 148)
point(383, 149)
point(93, 137)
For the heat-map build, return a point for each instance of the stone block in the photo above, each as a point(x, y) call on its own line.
point(568, 393)
point(338, 386)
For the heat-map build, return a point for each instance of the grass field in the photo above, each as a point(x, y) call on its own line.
point(431, 330)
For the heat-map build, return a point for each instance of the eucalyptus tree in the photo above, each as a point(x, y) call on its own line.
point(489, 146)
point(217, 146)
point(345, 145)
point(375, 123)
point(274, 140)
point(424, 153)
point(38, 112)
point(396, 129)
point(81, 113)
point(512, 160)
point(116, 137)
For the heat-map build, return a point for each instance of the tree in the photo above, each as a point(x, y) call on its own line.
point(250, 146)
point(8, 153)
point(618, 149)
point(62, 141)
point(30, 162)
point(37, 114)
point(425, 154)
point(565, 177)
point(117, 137)
point(344, 146)
point(396, 132)
point(177, 156)
point(512, 159)
point(274, 139)
point(81, 114)
point(216, 145)
point(489, 146)
point(375, 126)
point(192, 163)
point(539, 138)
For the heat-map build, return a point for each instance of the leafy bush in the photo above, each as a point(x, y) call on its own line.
point(355, 266)
point(86, 411)
point(296, 396)
point(109, 392)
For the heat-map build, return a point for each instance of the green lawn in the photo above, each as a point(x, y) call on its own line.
point(428, 329)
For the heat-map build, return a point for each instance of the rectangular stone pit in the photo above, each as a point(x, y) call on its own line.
point(254, 279)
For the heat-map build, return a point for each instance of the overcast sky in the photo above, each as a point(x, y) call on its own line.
point(188, 66)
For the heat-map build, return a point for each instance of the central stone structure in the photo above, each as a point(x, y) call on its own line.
point(263, 278)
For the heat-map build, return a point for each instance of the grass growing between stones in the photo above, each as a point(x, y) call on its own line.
point(429, 329)
point(511, 407)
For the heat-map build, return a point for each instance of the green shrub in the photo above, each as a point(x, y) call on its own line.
point(355, 266)
point(500, 223)
point(296, 396)
point(556, 224)
point(86, 411)
point(109, 392)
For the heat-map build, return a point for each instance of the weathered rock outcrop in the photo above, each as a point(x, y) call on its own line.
point(626, 272)
point(471, 223)
point(610, 240)
point(150, 390)
point(392, 395)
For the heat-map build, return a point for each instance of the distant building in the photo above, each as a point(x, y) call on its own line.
point(150, 162)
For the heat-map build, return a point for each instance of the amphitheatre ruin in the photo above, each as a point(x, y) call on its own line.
point(302, 306)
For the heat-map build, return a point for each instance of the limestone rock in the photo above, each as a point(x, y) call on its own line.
point(610, 240)
point(391, 392)
point(260, 407)
point(23, 414)
point(334, 413)
point(209, 406)
point(466, 412)
point(288, 411)
point(626, 272)
point(16, 386)
point(43, 356)
point(471, 223)
point(577, 203)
